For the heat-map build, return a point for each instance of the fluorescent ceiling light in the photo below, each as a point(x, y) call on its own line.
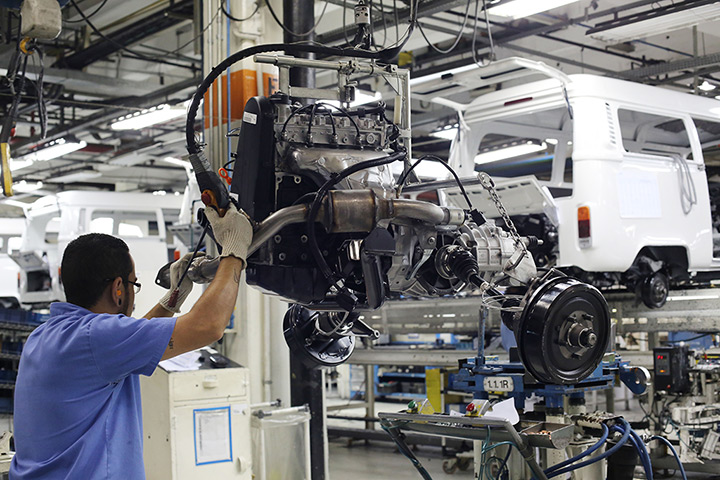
point(178, 162)
point(76, 177)
point(148, 117)
point(55, 149)
point(427, 78)
point(659, 25)
point(16, 165)
point(24, 187)
point(524, 8)
point(706, 86)
point(427, 169)
point(509, 152)
point(447, 133)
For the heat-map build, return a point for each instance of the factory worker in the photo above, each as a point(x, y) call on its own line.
point(77, 397)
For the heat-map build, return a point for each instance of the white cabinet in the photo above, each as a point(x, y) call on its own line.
point(196, 420)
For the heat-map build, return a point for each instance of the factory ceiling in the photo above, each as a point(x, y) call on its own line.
point(113, 59)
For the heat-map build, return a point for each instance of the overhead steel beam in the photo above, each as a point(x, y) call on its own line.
point(549, 37)
point(503, 40)
point(518, 48)
point(564, 60)
point(667, 67)
point(149, 100)
point(425, 9)
point(177, 12)
point(436, 6)
point(87, 83)
point(655, 12)
point(704, 72)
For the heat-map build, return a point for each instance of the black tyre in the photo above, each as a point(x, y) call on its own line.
point(654, 290)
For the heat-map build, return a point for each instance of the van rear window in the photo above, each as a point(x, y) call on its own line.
point(653, 134)
point(709, 136)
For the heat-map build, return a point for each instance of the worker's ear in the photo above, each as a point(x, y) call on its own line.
point(117, 288)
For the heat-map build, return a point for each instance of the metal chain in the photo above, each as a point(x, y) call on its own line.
point(488, 185)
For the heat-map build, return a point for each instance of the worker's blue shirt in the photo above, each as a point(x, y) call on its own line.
point(77, 398)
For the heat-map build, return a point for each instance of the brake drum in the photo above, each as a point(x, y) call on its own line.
point(563, 331)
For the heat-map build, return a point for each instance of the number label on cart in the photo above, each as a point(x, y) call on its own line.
point(498, 384)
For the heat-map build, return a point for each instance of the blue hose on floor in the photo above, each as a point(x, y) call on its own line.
point(602, 456)
point(641, 451)
point(674, 452)
point(584, 454)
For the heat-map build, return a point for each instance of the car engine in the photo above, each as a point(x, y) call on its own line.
point(335, 235)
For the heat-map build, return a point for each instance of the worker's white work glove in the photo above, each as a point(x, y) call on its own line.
point(173, 301)
point(233, 231)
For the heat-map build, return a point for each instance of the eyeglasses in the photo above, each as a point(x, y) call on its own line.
point(137, 286)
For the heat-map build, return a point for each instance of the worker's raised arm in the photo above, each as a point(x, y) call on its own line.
point(170, 304)
point(206, 321)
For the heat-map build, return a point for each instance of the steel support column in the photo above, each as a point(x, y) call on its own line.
point(306, 384)
point(299, 17)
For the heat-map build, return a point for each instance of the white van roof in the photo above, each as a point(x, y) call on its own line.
point(112, 200)
point(549, 92)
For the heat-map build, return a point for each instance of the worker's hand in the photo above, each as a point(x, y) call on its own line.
point(233, 231)
point(172, 301)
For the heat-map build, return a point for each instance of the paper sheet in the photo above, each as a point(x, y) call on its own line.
point(638, 195)
point(182, 363)
point(186, 362)
point(504, 410)
point(212, 435)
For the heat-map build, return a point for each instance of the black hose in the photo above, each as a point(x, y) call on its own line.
point(403, 178)
point(9, 120)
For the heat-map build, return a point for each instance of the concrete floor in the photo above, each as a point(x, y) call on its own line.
point(360, 460)
point(378, 460)
point(351, 460)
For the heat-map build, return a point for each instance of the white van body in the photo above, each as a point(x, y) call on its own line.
point(11, 230)
point(631, 153)
point(54, 221)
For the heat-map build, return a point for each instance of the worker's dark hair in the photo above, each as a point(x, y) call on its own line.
point(90, 263)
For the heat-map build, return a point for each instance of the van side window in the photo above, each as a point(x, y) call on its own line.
point(529, 144)
point(126, 224)
point(709, 136)
point(51, 230)
point(651, 134)
point(14, 244)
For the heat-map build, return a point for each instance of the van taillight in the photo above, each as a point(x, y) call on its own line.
point(18, 280)
point(584, 237)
